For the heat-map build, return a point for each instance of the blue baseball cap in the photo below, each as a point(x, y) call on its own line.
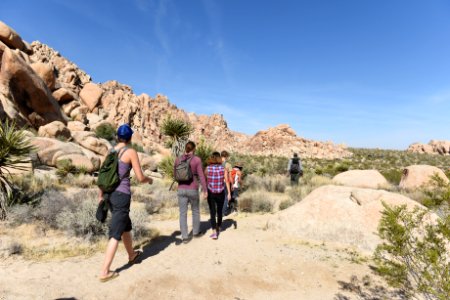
point(124, 132)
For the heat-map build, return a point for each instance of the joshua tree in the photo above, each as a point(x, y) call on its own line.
point(178, 131)
point(14, 150)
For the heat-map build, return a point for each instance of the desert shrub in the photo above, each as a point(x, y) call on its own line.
point(139, 218)
point(257, 201)
point(21, 214)
point(266, 183)
point(106, 131)
point(51, 204)
point(137, 147)
point(392, 175)
point(285, 204)
point(65, 167)
point(414, 253)
point(15, 248)
point(166, 166)
point(437, 192)
point(204, 151)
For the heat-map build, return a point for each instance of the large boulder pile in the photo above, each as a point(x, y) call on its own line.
point(418, 176)
point(361, 178)
point(340, 215)
point(433, 147)
point(42, 89)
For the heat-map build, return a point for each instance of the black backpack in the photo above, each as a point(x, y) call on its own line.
point(295, 166)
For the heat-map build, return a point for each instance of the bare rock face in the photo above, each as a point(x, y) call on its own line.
point(63, 95)
point(90, 95)
point(54, 129)
point(361, 178)
point(26, 98)
point(283, 141)
point(417, 176)
point(89, 141)
point(10, 37)
point(433, 147)
point(76, 126)
point(344, 215)
point(50, 151)
point(45, 71)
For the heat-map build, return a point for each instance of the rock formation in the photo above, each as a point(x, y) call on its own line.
point(433, 147)
point(361, 178)
point(38, 86)
point(417, 176)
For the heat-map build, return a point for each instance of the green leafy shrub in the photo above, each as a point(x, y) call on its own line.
point(204, 151)
point(392, 175)
point(166, 166)
point(414, 254)
point(106, 131)
point(437, 193)
point(137, 147)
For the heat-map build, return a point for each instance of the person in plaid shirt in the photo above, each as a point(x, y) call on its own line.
point(217, 181)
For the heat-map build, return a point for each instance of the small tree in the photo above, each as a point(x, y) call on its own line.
point(14, 150)
point(178, 131)
point(106, 131)
point(414, 254)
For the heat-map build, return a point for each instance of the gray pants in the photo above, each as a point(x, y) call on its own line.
point(185, 197)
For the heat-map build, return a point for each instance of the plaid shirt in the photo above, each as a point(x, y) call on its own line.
point(216, 182)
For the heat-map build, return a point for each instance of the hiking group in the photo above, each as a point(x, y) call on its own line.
point(220, 182)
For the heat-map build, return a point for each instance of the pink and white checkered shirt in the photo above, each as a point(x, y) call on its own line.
point(215, 174)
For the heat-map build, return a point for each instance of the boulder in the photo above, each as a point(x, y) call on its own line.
point(45, 71)
point(76, 126)
point(10, 37)
point(90, 95)
point(93, 119)
point(69, 107)
point(51, 151)
point(417, 176)
point(147, 162)
point(63, 95)
point(346, 216)
point(89, 141)
point(55, 129)
point(26, 97)
point(361, 178)
point(441, 147)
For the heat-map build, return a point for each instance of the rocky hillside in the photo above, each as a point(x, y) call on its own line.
point(38, 86)
point(433, 147)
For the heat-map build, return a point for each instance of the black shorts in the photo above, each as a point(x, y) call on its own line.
point(120, 220)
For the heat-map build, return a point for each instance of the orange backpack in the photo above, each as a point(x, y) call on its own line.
point(232, 176)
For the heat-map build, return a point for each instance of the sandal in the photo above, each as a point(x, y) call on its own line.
point(138, 253)
point(111, 275)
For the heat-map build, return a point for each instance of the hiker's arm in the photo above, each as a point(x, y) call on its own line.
point(202, 176)
point(227, 183)
point(137, 168)
point(100, 195)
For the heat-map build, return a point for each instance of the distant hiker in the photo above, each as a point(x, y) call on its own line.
point(119, 202)
point(188, 189)
point(235, 179)
point(218, 182)
point(225, 156)
point(295, 169)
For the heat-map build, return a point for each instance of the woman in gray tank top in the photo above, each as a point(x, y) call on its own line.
point(120, 226)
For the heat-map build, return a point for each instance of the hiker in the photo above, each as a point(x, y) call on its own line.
point(218, 182)
point(235, 183)
point(119, 203)
point(295, 169)
point(188, 191)
point(225, 156)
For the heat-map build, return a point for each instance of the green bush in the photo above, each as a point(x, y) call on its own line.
point(166, 166)
point(286, 203)
point(437, 193)
point(414, 254)
point(204, 151)
point(392, 175)
point(106, 131)
point(137, 147)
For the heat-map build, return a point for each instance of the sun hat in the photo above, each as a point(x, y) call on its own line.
point(124, 132)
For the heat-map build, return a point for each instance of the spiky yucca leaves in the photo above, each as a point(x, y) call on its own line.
point(14, 150)
point(178, 131)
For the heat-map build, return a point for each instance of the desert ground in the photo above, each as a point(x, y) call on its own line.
point(246, 262)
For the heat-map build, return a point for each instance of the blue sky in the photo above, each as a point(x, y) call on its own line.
point(360, 72)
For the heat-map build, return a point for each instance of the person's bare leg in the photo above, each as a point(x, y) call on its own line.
point(128, 243)
point(109, 256)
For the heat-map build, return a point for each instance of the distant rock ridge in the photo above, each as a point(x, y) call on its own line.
point(441, 147)
point(38, 86)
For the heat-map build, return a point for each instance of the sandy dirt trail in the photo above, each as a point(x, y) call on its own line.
point(246, 262)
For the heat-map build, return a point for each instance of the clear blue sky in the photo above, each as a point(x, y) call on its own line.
point(360, 72)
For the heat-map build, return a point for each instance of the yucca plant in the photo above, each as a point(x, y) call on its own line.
point(14, 151)
point(178, 131)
